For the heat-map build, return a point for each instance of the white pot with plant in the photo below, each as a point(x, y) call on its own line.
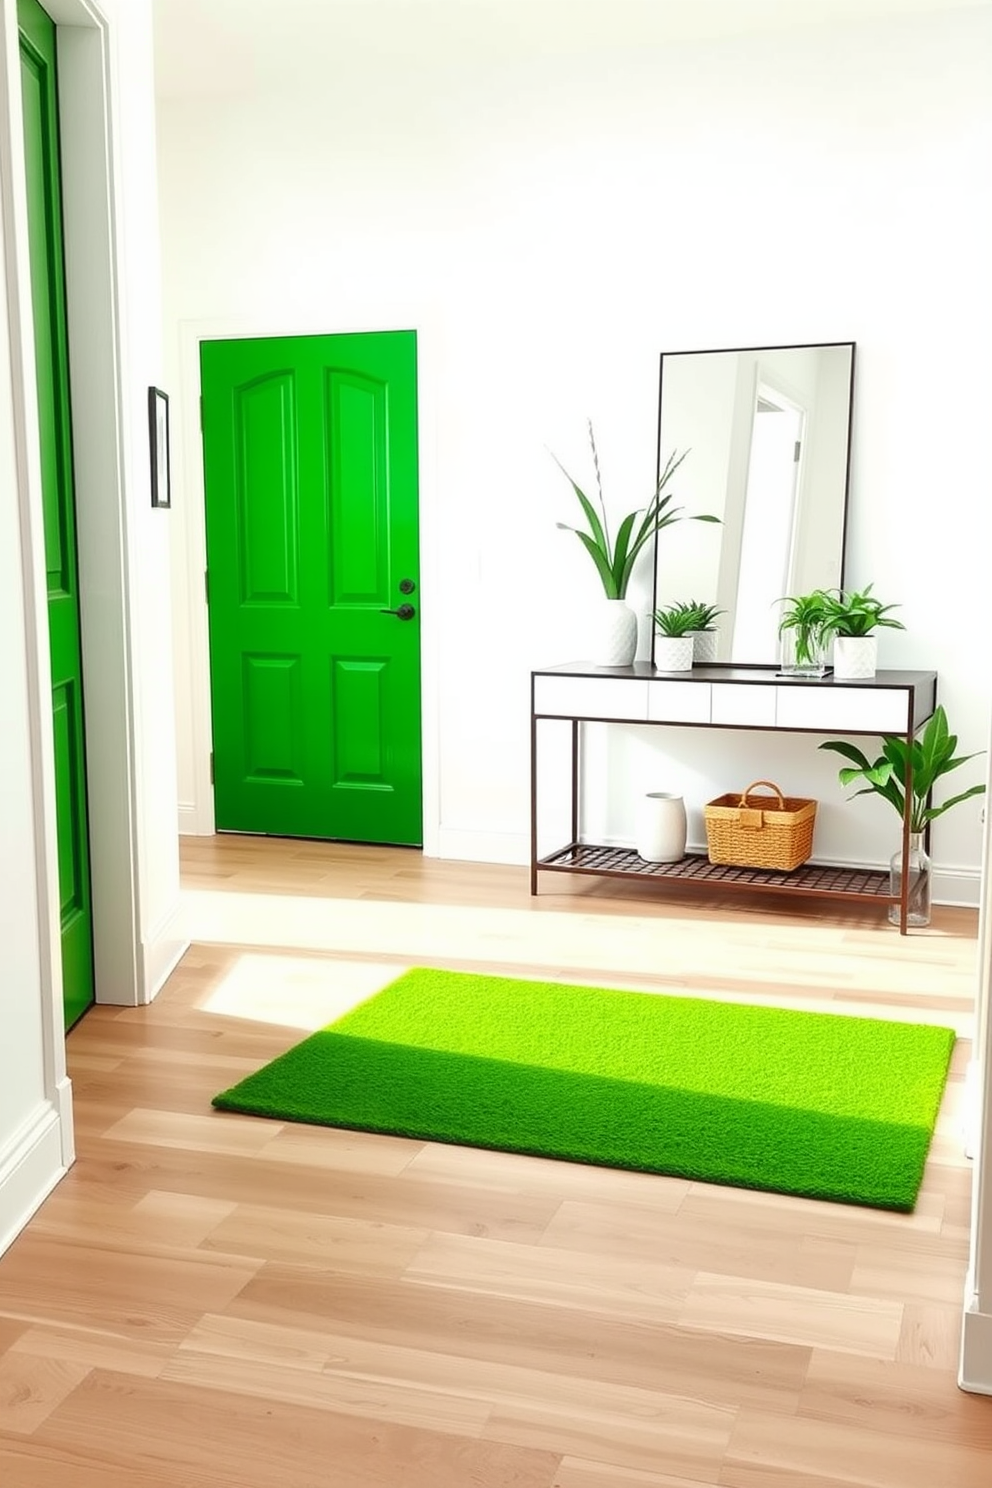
point(705, 634)
point(928, 758)
point(851, 618)
point(616, 630)
point(673, 643)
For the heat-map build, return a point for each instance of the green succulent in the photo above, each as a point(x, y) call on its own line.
point(930, 757)
point(704, 615)
point(678, 619)
point(615, 560)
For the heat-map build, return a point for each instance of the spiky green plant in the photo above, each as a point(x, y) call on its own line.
point(855, 612)
point(678, 619)
point(703, 615)
point(614, 561)
point(929, 756)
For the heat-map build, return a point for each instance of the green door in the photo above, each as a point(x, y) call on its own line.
point(41, 147)
point(310, 461)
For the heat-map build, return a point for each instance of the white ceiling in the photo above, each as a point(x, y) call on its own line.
point(222, 46)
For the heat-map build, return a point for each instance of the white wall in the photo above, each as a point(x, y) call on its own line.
point(550, 219)
point(114, 349)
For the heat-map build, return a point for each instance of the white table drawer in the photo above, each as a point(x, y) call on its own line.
point(679, 702)
point(592, 697)
point(749, 705)
point(805, 705)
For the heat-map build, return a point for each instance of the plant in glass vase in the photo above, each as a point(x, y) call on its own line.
point(926, 760)
point(614, 558)
point(801, 624)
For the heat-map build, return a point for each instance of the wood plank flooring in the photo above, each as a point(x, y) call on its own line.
point(213, 1301)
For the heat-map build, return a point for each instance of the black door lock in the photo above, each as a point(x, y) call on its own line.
point(404, 612)
point(407, 586)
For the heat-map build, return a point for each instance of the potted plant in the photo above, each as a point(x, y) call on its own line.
point(926, 761)
point(851, 619)
point(704, 631)
point(801, 624)
point(673, 647)
point(614, 558)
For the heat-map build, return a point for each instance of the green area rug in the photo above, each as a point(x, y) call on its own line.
point(819, 1104)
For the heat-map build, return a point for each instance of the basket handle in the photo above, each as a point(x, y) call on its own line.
point(771, 786)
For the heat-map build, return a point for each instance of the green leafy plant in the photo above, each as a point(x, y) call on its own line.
point(930, 757)
point(677, 619)
point(704, 615)
point(855, 612)
point(805, 614)
point(614, 560)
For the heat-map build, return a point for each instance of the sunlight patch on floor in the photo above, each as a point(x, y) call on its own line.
point(790, 964)
point(304, 992)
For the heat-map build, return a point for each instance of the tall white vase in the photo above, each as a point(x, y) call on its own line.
point(661, 828)
point(612, 633)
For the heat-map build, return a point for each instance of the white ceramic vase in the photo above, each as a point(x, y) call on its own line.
point(612, 633)
point(673, 653)
point(661, 828)
point(855, 657)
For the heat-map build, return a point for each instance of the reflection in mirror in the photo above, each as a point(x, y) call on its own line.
point(768, 429)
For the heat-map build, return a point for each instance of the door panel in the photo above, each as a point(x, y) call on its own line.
point(310, 459)
point(38, 82)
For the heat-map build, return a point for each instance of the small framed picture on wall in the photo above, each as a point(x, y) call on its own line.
point(158, 436)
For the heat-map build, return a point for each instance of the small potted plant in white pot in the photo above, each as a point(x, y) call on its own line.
point(673, 646)
point(614, 559)
point(851, 618)
point(705, 633)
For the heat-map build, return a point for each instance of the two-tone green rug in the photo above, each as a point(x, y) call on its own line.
point(819, 1104)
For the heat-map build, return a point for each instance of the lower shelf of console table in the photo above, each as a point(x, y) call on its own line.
point(811, 879)
point(718, 697)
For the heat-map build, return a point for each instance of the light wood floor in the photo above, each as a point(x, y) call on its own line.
point(212, 1301)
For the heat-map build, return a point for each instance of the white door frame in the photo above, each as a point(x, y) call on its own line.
point(196, 817)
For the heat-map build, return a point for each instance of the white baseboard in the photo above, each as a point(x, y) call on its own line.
point(975, 1372)
point(193, 822)
point(483, 847)
point(31, 1165)
point(67, 1128)
point(163, 951)
point(959, 886)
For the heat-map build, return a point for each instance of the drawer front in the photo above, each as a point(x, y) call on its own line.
point(882, 710)
point(747, 704)
point(679, 702)
point(592, 697)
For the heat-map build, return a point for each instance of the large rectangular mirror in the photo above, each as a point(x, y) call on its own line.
point(768, 430)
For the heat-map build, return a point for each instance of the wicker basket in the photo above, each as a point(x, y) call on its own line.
point(760, 833)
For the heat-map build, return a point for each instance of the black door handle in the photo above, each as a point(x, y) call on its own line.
point(404, 612)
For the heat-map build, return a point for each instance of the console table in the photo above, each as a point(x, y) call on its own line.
point(722, 697)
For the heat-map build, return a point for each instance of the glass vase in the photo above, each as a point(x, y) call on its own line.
point(802, 657)
point(918, 874)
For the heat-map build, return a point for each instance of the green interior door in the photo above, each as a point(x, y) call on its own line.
point(310, 460)
point(41, 145)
